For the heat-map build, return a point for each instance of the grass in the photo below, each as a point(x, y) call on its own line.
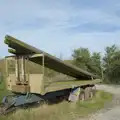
point(62, 111)
point(3, 91)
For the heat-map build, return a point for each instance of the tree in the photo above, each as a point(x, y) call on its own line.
point(109, 53)
point(95, 64)
point(112, 64)
point(81, 57)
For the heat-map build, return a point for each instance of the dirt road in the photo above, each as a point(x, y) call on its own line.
point(112, 110)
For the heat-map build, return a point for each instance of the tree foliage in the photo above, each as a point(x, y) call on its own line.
point(84, 59)
point(81, 57)
point(112, 64)
point(95, 63)
point(107, 66)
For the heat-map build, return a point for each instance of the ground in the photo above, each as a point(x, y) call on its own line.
point(111, 111)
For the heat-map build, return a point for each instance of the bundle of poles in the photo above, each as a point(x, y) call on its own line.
point(18, 47)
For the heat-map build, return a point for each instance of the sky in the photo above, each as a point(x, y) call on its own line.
point(60, 26)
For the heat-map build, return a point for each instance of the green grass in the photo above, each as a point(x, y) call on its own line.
point(62, 111)
point(96, 103)
point(3, 91)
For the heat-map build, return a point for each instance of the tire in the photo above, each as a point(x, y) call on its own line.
point(94, 90)
point(87, 93)
point(91, 93)
point(82, 96)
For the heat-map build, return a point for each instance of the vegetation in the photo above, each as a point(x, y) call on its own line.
point(107, 66)
point(90, 62)
point(112, 64)
point(3, 90)
point(62, 111)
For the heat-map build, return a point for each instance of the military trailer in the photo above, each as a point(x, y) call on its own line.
point(30, 88)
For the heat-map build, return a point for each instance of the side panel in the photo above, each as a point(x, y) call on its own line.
point(36, 83)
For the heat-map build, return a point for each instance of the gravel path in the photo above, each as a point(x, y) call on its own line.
point(112, 110)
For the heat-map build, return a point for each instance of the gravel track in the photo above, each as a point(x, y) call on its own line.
point(111, 111)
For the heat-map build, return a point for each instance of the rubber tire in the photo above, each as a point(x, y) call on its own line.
point(91, 93)
point(94, 90)
point(87, 93)
point(82, 96)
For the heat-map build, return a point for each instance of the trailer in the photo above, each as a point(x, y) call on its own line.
point(29, 89)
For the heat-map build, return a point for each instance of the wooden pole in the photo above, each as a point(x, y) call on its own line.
point(23, 69)
point(17, 70)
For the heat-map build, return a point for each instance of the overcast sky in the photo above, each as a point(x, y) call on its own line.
point(59, 26)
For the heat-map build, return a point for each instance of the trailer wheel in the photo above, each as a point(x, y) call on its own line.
point(94, 90)
point(87, 93)
point(91, 92)
point(82, 96)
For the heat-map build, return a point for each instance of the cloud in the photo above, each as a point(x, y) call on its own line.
point(59, 26)
point(93, 27)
